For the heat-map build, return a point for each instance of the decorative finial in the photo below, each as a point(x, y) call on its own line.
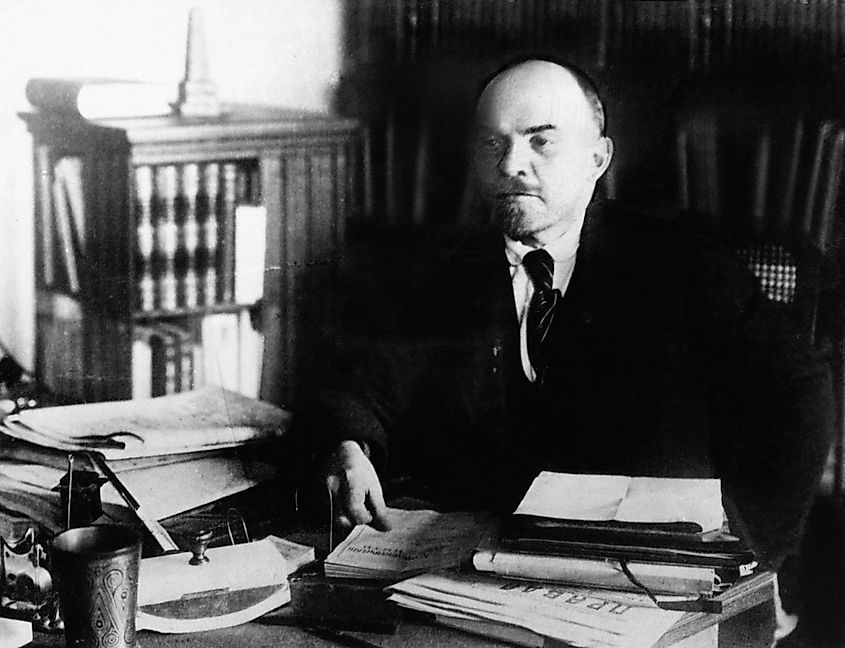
point(197, 94)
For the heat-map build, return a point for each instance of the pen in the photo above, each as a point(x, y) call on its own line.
point(159, 533)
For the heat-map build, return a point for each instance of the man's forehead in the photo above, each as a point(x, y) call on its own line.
point(530, 96)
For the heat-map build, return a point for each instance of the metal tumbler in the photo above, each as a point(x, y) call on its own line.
point(95, 569)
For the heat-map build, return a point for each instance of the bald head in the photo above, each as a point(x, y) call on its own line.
point(539, 148)
point(545, 81)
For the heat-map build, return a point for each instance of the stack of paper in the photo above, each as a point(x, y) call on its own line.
point(210, 418)
point(527, 612)
point(173, 453)
point(418, 541)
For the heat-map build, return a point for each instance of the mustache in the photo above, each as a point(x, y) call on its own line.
point(514, 188)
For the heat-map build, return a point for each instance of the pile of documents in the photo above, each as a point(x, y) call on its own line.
point(173, 453)
point(527, 612)
point(657, 535)
point(418, 541)
point(591, 560)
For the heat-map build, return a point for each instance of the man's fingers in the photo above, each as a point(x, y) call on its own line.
point(355, 489)
point(353, 502)
point(378, 509)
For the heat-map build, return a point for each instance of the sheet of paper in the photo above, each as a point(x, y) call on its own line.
point(574, 497)
point(15, 633)
point(624, 499)
point(677, 500)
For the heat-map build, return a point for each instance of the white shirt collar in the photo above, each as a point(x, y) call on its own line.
point(562, 249)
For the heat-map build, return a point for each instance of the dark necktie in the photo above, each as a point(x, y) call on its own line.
point(541, 311)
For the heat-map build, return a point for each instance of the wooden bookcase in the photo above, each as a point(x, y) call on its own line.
point(135, 236)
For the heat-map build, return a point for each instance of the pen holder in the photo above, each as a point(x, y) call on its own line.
point(96, 574)
point(86, 504)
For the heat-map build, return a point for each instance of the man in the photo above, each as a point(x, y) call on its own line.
point(624, 346)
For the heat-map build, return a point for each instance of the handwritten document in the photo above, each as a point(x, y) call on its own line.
point(418, 541)
point(624, 499)
point(203, 419)
point(577, 616)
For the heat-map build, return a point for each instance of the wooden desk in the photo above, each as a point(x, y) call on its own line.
point(747, 622)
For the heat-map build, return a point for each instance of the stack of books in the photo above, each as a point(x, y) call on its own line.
point(173, 453)
point(222, 349)
point(643, 534)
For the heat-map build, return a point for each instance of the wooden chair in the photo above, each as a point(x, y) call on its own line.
point(764, 176)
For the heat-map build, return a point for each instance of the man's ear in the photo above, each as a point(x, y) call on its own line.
point(602, 153)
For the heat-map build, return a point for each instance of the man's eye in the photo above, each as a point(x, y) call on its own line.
point(539, 141)
point(490, 144)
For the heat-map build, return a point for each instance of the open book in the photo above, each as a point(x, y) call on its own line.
point(419, 541)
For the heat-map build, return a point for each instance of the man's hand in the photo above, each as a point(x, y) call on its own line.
point(355, 488)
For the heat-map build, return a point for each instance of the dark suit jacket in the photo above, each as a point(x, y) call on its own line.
point(667, 361)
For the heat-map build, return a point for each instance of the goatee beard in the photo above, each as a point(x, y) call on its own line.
point(513, 221)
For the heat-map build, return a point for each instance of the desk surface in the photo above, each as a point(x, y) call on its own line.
point(747, 621)
point(748, 624)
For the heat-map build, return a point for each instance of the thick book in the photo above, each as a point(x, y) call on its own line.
point(677, 580)
point(100, 98)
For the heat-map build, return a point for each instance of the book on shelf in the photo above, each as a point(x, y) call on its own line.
point(230, 201)
point(100, 98)
point(250, 356)
point(231, 352)
point(163, 360)
point(142, 361)
point(220, 335)
point(184, 346)
point(250, 247)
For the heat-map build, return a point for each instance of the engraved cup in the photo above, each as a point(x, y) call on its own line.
point(96, 573)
